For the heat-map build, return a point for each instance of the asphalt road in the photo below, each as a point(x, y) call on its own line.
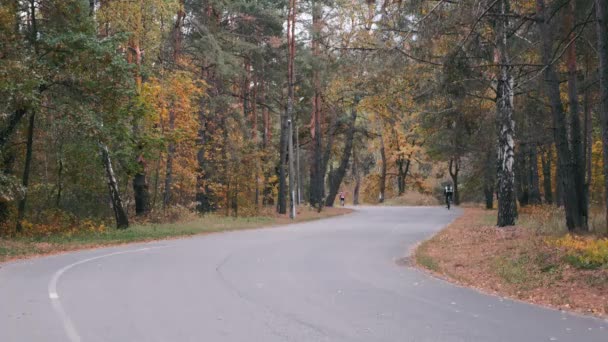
point(330, 280)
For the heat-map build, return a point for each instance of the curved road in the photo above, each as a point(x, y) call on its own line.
point(330, 280)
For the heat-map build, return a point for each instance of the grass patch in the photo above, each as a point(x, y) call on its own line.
point(424, 259)
point(514, 271)
point(427, 262)
point(20, 247)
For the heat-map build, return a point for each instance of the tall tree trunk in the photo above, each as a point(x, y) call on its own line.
point(122, 221)
point(140, 182)
point(576, 140)
point(547, 187)
point(59, 178)
point(454, 170)
point(533, 179)
point(298, 170)
point(316, 167)
point(382, 185)
point(588, 129)
point(574, 216)
point(400, 176)
point(489, 183)
point(338, 175)
point(521, 174)
point(282, 196)
point(203, 191)
point(265, 114)
point(26, 171)
point(288, 120)
point(357, 175)
point(559, 189)
point(290, 103)
point(177, 47)
point(507, 209)
point(601, 10)
point(333, 126)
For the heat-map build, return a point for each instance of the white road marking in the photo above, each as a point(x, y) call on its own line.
point(68, 325)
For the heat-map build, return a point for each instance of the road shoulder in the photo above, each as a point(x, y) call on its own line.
point(515, 262)
point(19, 248)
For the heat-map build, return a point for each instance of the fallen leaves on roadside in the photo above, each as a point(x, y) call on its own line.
point(516, 262)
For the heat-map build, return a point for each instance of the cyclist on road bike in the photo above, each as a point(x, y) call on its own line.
point(448, 192)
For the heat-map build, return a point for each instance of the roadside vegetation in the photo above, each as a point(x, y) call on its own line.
point(413, 198)
point(65, 234)
point(537, 261)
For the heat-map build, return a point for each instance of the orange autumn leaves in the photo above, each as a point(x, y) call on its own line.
point(172, 105)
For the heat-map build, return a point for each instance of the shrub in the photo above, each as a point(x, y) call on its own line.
point(544, 219)
point(59, 223)
point(584, 252)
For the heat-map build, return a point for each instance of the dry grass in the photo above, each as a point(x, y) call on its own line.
point(412, 198)
point(27, 246)
point(518, 262)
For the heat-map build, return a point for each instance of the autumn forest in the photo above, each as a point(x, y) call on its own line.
point(116, 111)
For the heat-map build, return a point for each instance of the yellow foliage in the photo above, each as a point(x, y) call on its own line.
point(584, 252)
point(59, 223)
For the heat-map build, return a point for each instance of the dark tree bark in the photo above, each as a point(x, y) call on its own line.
point(567, 172)
point(454, 170)
point(357, 175)
point(338, 175)
point(576, 140)
point(333, 126)
point(141, 191)
point(316, 168)
point(282, 196)
point(287, 120)
point(59, 179)
point(601, 10)
point(533, 179)
point(489, 180)
point(122, 221)
point(521, 174)
point(7, 168)
point(588, 137)
point(26, 172)
point(507, 209)
point(559, 190)
point(403, 168)
point(547, 181)
point(204, 203)
point(13, 121)
point(209, 120)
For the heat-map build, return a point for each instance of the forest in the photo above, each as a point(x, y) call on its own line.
point(115, 111)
